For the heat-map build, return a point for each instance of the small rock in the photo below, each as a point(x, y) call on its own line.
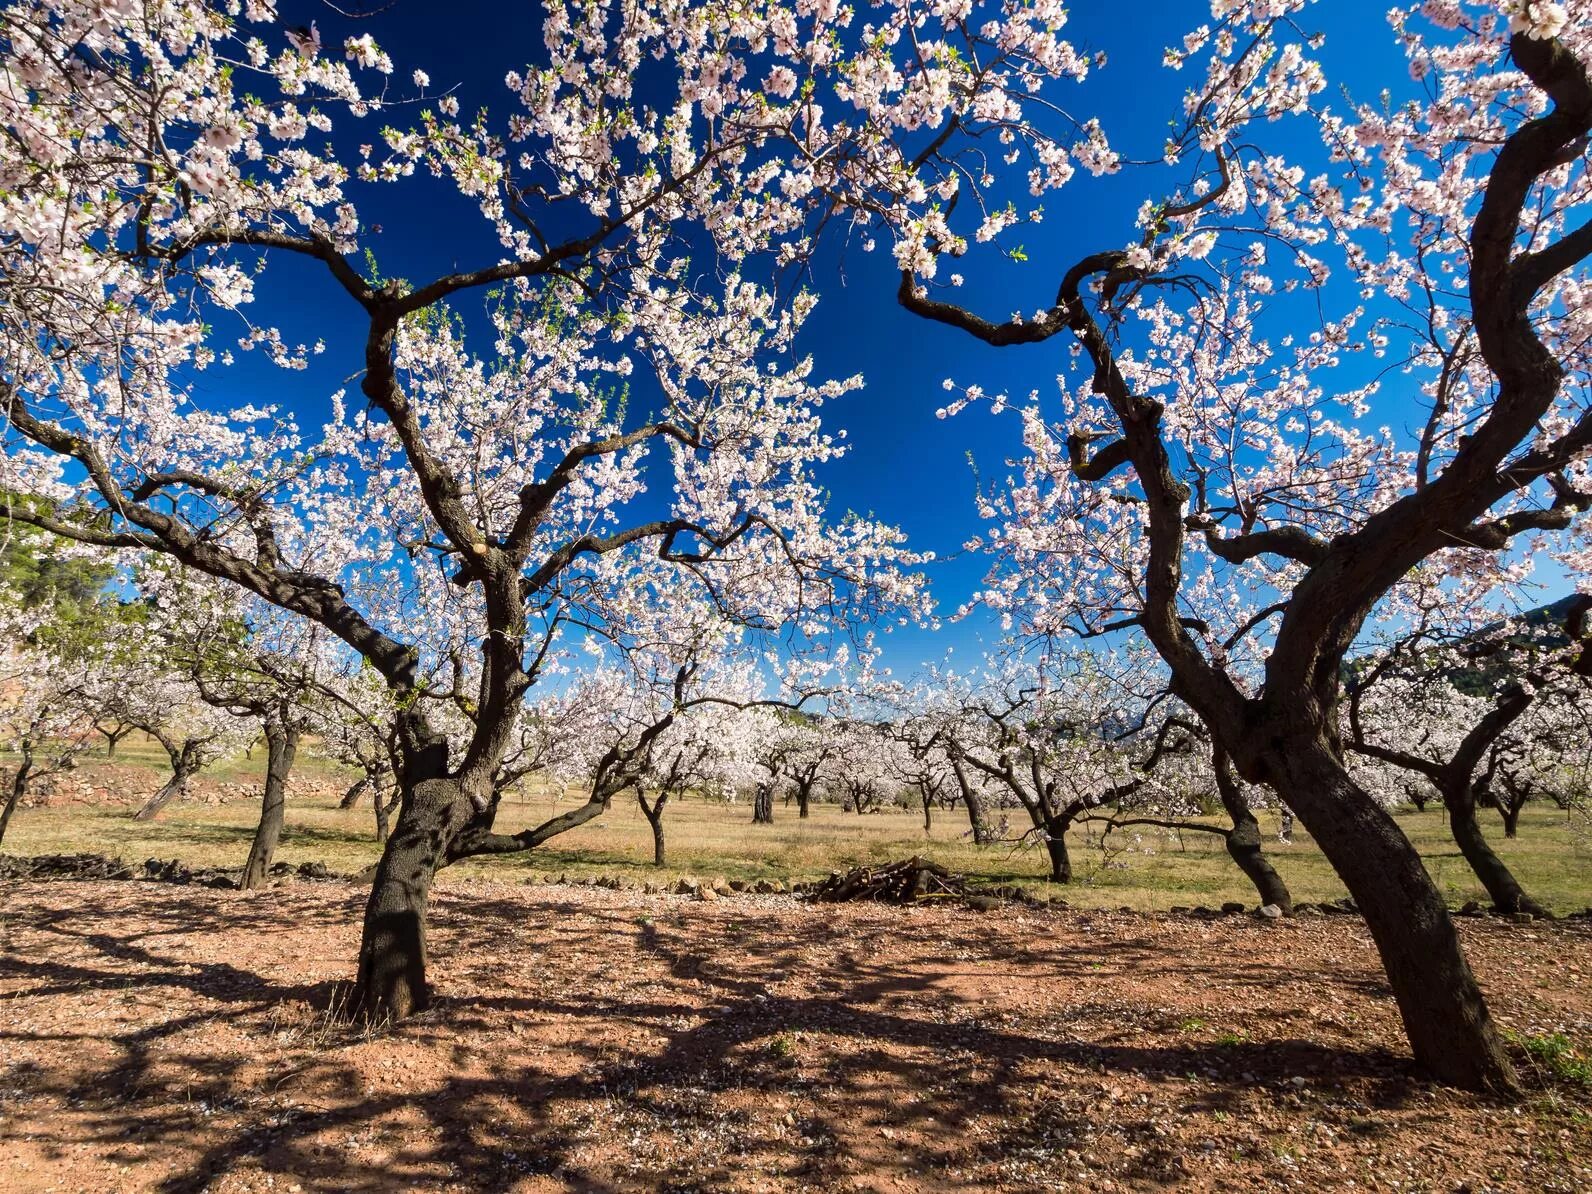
point(707, 894)
point(1521, 918)
point(982, 903)
point(1232, 907)
point(1269, 912)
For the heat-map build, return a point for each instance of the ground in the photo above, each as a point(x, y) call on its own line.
point(177, 1038)
point(1147, 869)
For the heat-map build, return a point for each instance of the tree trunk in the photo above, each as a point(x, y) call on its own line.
point(19, 788)
point(804, 796)
point(928, 816)
point(1510, 812)
point(1445, 1017)
point(1056, 847)
point(983, 835)
point(356, 790)
point(113, 739)
point(654, 815)
point(1243, 840)
point(384, 810)
point(281, 745)
point(1502, 887)
point(763, 805)
point(175, 786)
point(392, 949)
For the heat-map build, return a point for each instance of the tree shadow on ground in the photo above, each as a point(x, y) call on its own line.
point(602, 1048)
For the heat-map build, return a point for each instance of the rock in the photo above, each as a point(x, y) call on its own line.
point(1181, 909)
point(1521, 918)
point(707, 894)
point(982, 903)
point(1308, 910)
point(685, 887)
point(1470, 908)
point(720, 887)
point(1232, 907)
point(739, 885)
point(1269, 912)
point(313, 870)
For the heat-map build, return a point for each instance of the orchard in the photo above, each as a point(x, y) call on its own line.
point(992, 477)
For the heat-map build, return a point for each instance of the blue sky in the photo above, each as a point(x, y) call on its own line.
point(905, 465)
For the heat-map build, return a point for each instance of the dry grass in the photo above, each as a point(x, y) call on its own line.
point(709, 839)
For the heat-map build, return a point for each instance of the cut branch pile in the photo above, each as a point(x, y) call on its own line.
point(907, 882)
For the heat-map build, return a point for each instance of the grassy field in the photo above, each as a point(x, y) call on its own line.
point(708, 839)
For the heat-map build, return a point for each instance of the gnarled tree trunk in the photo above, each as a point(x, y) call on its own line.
point(392, 949)
point(763, 804)
point(1445, 1017)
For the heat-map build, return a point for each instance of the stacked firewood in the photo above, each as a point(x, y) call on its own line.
point(908, 882)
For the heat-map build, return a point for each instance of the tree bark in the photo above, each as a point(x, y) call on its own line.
point(356, 790)
point(392, 949)
point(19, 788)
point(804, 797)
point(281, 746)
point(1243, 841)
point(928, 816)
point(654, 814)
point(113, 738)
point(977, 819)
point(384, 810)
point(1445, 1017)
point(1056, 846)
point(1502, 887)
point(174, 787)
point(763, 804)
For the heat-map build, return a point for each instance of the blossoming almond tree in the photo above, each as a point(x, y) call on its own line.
point(156, 157)
point(1221, 480)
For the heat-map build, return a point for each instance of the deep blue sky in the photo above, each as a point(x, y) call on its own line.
point(905, 465)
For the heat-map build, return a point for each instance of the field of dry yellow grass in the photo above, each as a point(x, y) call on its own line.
point(711, 839)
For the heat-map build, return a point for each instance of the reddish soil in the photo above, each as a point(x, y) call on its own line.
point(171, 1038)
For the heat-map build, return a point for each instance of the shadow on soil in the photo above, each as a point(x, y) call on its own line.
point(690, 1050)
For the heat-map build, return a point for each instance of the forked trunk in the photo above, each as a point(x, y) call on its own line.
point(1510, 812)
point(1502, 887)
point(763, 805)
point(281, 745)
point(654, 814)
point(1445, 1017)
point(392, 950)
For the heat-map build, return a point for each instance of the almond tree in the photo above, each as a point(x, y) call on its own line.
point(1210, 446)
point(160, 156)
